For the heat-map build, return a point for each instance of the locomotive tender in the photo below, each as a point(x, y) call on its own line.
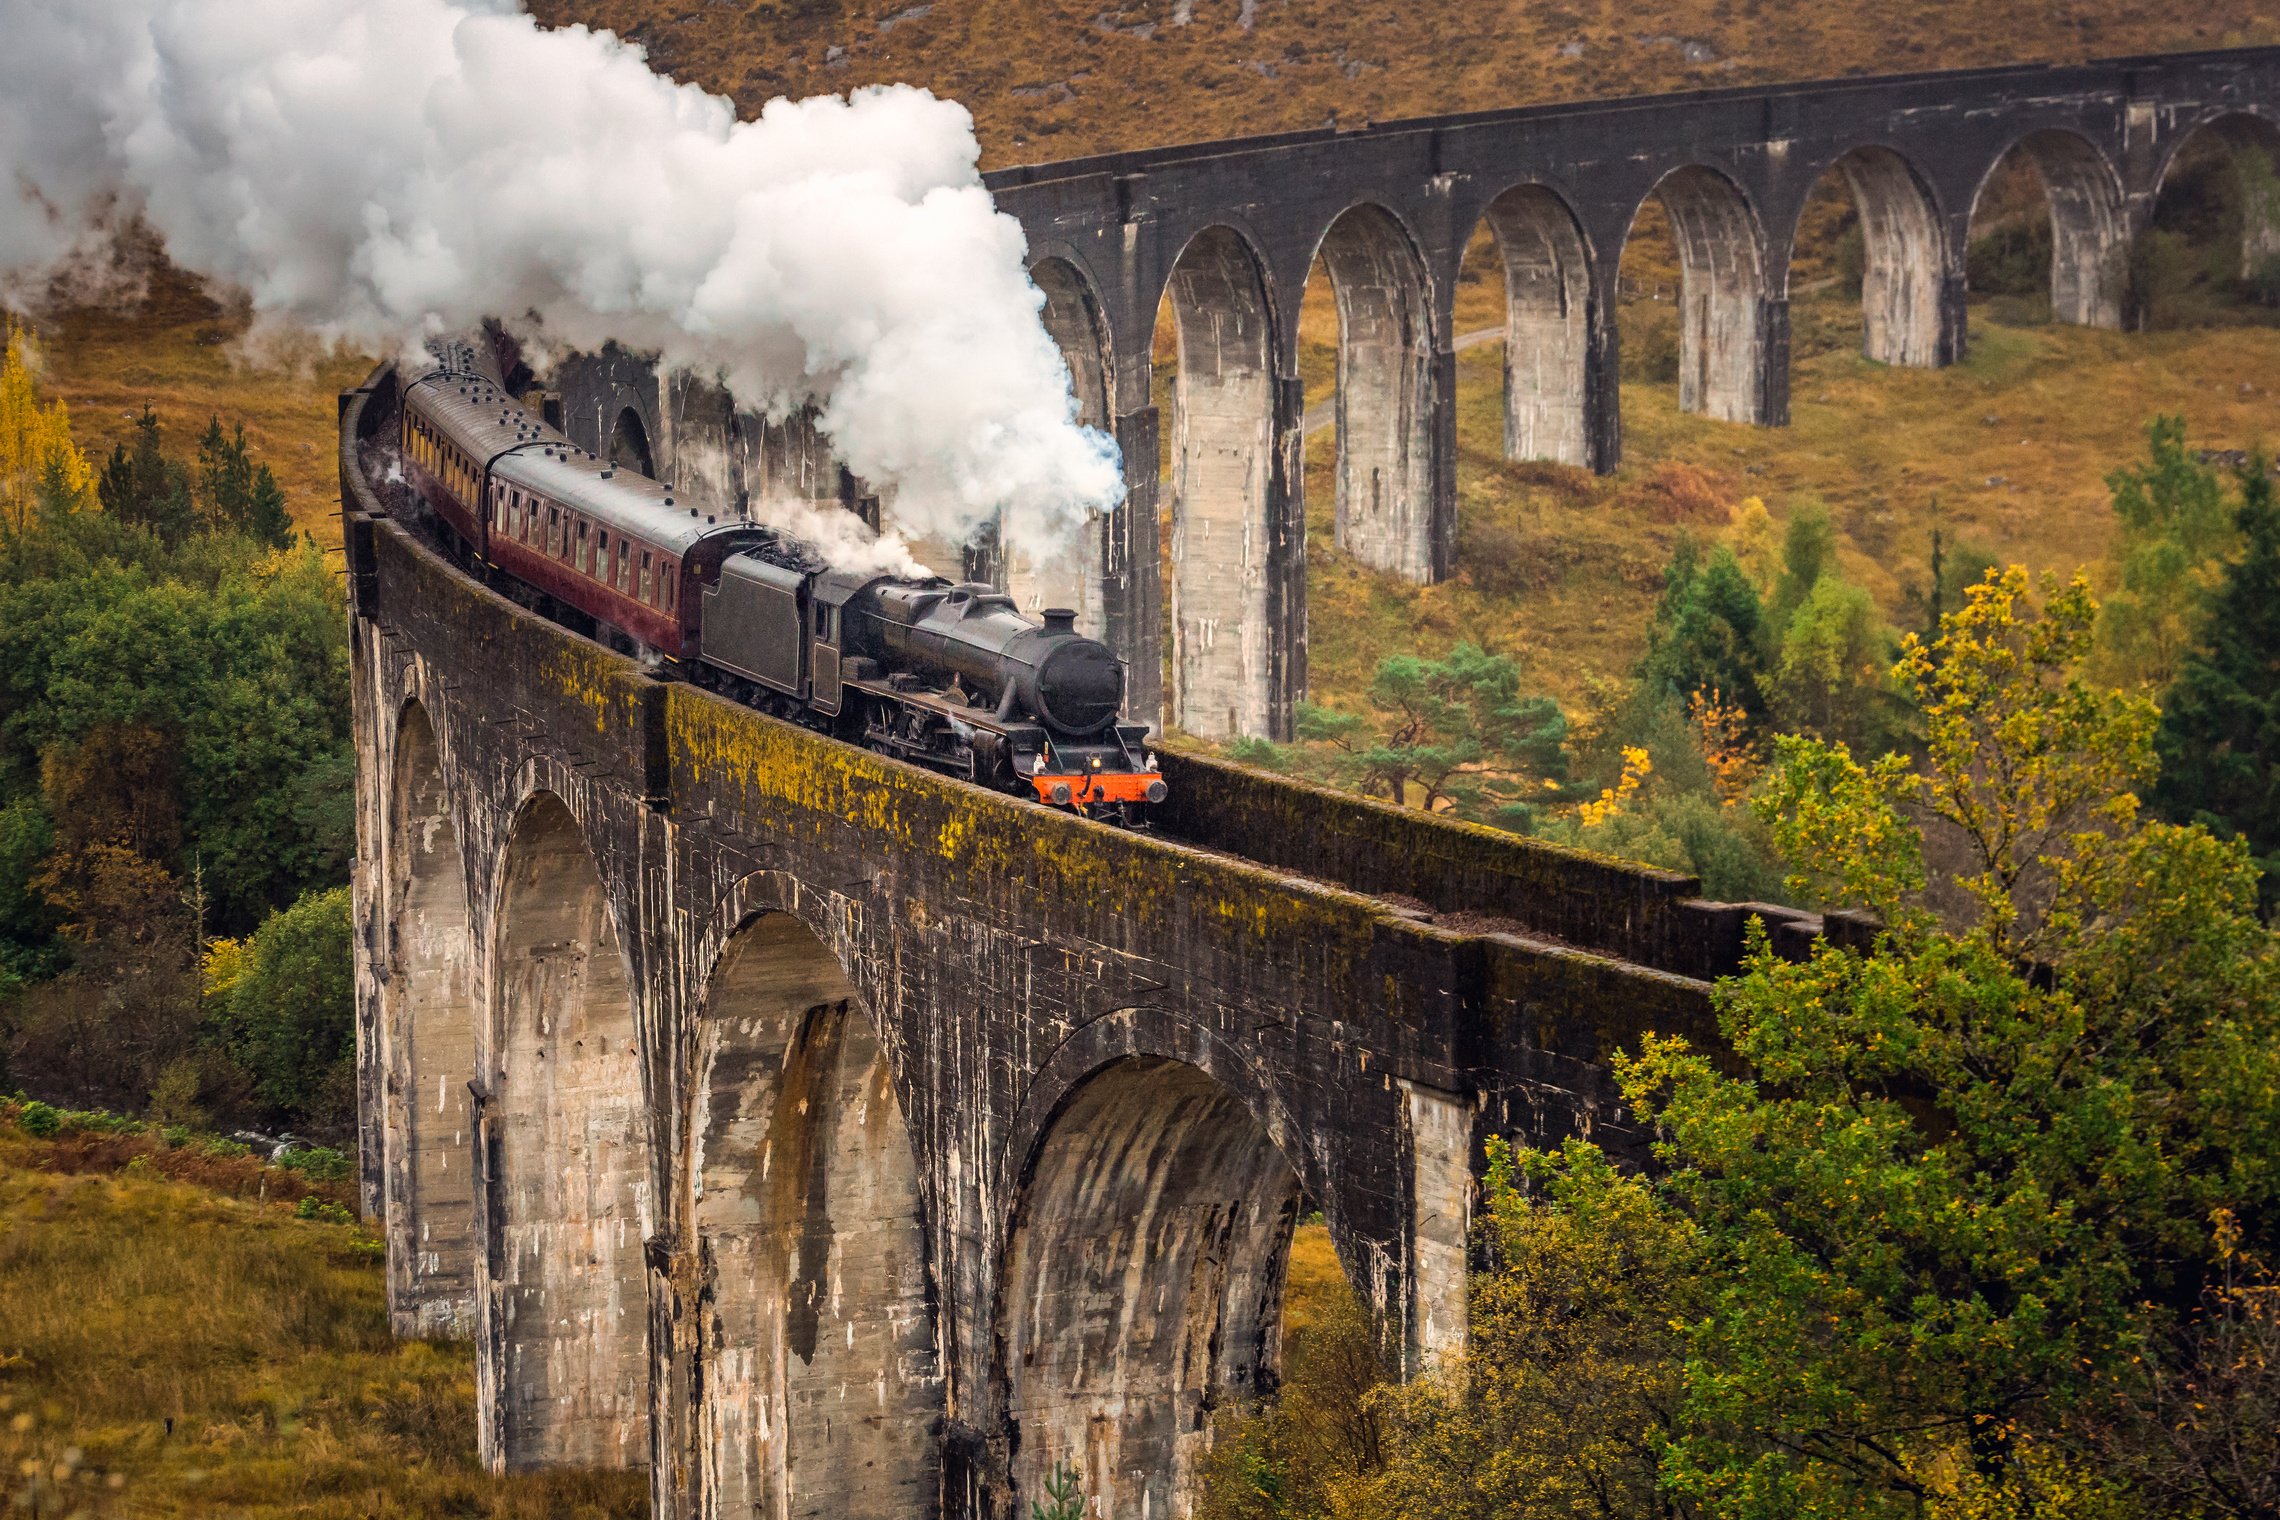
point(949, 676)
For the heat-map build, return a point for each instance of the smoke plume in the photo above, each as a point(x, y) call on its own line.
point(382, 171)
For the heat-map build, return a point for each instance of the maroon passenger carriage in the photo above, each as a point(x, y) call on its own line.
point(948, 676)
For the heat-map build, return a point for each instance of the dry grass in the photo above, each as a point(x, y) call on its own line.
point(165, 1351)
point(1050, 79)
point(1315, 1283)
point(180, 351)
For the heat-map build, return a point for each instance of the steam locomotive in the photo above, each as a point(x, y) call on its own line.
point(949, 676)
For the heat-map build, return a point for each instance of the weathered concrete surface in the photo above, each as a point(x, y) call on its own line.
point(429, 1014)
point(1231, 229)
point(822, 1097)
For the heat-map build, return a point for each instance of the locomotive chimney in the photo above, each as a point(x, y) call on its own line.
point(1060, 620)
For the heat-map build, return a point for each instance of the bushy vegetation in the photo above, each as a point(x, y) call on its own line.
point(1977, 1219)
point(175, 769)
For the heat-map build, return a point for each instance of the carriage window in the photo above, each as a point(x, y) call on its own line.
point(553, 530)
point(602, 558)
point(585, 551)
point(645, 575)
point(625, 565)
point(671, 575)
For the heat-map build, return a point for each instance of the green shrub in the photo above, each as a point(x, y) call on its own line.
point(38, 1120)
point(2010, 261)
point(318, 1163)
point(289, 1019)
point(314, 1208)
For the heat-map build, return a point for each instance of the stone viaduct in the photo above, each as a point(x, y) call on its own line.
point(1227, 232)
point(837, 1139)
point(834, 1139)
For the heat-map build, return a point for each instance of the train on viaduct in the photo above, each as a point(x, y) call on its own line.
point(833, 1138)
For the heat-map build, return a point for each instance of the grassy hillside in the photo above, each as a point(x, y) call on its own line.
point(2007, 453)
point(1055, 78)
point(175, 1341)
point(183, 351)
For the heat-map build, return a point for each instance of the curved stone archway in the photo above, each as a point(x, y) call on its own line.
point(571, 1206)
point(1902, 317)
point(430, 1008)
point(2089, 229)
point(1722, 295)
point(629, 444)
point(1073, 579)
point(2252, 142)
point(1142, 1287)
point(822, 1390)
point(1222, 462)
point(1385, 393)
point(1547, 326)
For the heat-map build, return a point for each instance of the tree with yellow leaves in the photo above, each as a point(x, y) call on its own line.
point(38, 460)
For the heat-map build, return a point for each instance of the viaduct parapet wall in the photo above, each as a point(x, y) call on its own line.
point(1226, 232)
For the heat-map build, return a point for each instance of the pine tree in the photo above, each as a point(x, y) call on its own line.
point(225, 479)
point(265, 517)
point(2220, 726)
point(1708, 629)
point(146, 488)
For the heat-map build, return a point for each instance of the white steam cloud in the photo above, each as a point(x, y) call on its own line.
point(843, 539)
point(382, 171)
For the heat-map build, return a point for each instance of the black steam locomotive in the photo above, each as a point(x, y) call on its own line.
point(949, 676)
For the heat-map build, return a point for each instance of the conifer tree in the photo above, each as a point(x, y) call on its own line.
point(146, 488)
point(225, 478)
point(2220, 725)
point(1706, 635)
point(265, 516)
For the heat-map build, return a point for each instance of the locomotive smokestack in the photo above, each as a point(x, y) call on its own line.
point(1060, 620)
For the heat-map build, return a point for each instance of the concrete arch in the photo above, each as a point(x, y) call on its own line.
point(2089, 229)
point(821, 1381)
point(1901, 289)
point(1385, 392)
point(568, 1123)
point(2247, 136)
point(1547, 325)
point(629, 444)
point(430, 1009)
point(1222, 463)
point(1722, 295)
point(1073, 579)
point(1142, 1287)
